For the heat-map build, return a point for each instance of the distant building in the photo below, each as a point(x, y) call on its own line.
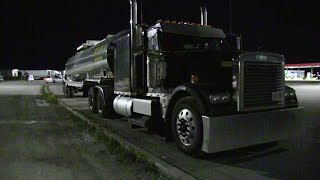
point(302, 71)
point(37, 74)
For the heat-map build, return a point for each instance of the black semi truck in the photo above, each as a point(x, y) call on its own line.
point(185, 80)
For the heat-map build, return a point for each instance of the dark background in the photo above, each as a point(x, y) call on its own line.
point(44, 34)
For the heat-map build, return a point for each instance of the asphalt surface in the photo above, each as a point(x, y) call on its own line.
point(39, 141)
point(298, 160)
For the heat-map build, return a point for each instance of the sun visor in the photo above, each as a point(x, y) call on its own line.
point(191, 30)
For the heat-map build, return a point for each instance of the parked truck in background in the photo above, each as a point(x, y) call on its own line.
point(41, 74)
point(178, 78)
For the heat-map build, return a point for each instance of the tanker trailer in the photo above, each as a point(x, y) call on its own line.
point(89, 67)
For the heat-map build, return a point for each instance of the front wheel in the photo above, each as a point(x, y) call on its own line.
point(186, 126)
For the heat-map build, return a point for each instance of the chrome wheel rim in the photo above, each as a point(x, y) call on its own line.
point(186, 127)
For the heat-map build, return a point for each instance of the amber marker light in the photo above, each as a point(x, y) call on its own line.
point(194, 79)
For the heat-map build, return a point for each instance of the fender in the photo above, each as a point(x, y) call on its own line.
point(200, 95)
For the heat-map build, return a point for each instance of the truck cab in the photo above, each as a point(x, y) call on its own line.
point(177, 53)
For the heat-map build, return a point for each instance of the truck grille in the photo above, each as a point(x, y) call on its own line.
point(262, 86)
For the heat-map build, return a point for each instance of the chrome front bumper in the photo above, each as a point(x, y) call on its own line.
point(236, 131)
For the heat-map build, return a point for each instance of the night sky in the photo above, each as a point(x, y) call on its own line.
point(44, 34)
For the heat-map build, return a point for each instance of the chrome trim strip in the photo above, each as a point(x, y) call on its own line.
point(124, 93)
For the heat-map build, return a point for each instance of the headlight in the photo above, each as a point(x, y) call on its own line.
point(219, 98)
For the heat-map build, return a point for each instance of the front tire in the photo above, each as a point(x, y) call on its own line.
point(186, 126)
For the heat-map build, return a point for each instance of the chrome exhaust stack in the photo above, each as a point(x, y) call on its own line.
point(204, 15)
point(136, 66)
point(133, 26)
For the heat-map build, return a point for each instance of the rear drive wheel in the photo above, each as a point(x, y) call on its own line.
point(104, 106)
point(92, 98)
point(186, 126)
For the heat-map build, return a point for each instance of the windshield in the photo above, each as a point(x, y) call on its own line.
point(176, 42)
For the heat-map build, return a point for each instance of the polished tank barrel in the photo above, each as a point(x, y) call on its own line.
point(92, 60)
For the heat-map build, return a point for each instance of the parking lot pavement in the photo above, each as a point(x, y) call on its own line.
point(309, 97)
point(40, 141)
point(257, 162)
point(20, 87)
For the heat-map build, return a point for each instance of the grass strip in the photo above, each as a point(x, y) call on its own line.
point(127, 155)
point(124, 155)
point(48, 96)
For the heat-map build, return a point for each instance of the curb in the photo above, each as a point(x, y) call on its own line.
point(164, 167)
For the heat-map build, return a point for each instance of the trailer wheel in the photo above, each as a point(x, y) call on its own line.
point(66, 92)
point(104, 106)
point(72, 92)
point(92, 98)
point(186, 126)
